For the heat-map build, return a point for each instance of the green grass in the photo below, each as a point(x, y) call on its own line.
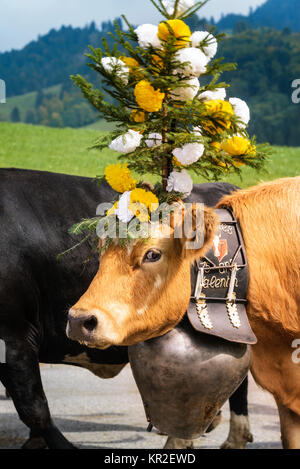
point(66, 151)
point(24, 102)
point(100, 125)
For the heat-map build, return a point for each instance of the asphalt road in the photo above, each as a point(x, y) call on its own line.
point(94, 413)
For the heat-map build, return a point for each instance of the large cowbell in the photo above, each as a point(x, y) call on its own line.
point(185, 377)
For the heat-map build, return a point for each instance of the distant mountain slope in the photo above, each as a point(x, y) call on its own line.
point(24, 103)
point(278, 14)
point(51, 59)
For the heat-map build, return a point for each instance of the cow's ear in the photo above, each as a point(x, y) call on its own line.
point(195, 228)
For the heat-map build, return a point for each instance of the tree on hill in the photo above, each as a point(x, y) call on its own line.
point(30, 117)
point(278, 14)
point(15, 115)
point(39, 98)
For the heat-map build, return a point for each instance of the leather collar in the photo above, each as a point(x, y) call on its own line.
point(220, 285)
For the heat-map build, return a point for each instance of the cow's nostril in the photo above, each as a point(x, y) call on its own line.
point(90, 324)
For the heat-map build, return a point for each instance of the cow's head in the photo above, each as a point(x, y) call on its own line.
point(142, 290)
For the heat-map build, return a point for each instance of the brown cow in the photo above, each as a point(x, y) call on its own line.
point(142, 290)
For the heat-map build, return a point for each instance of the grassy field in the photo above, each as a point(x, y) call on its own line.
point(24, 102)
point(66, 151)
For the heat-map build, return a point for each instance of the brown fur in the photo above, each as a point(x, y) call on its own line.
point(270, 220)
point(152, 298)
point(269, 215)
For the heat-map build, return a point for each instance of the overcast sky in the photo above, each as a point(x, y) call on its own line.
point(23, 20)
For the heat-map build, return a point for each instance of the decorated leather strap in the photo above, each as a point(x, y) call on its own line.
point(220, 285)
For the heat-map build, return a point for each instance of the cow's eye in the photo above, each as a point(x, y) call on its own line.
point(152, 256)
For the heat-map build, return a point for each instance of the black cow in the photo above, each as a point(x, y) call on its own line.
point(36, 211)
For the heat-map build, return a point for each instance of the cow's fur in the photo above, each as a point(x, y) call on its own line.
point(269, 217)
point(270, 220)
point(36, 210)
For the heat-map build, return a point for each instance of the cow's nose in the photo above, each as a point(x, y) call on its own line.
point(90, 324)
point(80, 325)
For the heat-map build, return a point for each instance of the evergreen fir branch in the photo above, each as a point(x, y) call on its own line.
point(193, 10)
point(135, 53)
point(100, 180)
point(130, 27)
point(68, 251)
point(160, 7)
point(216, 67)
point(167, 197)
point(94, 96)
point(176, 8)
point(85, 225)
point(106, 47)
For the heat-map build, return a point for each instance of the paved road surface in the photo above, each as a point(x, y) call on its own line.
point(94, 413)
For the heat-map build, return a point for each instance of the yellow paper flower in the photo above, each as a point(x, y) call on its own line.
point(157, 60)
point(119, 177)
point(132, 64)
point(142, 202)
point(252, 150)
point(129, 61)
point(239, 146)
point(220, 111)
point(147, 97)
point(157, 64)
point(176, 162)
point(180, 30)
point(219, 105)
point(113, 209)
point(216, 145)
point(138, 116)
point(236, 146)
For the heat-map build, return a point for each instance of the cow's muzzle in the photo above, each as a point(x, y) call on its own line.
point(81, 325)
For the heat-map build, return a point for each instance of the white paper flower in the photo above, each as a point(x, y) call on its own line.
point(197, 130)
point(154, 140)
point(218, 93)
point(241, 109)
point(180, 182)
point(110, 64)
point(189, 153)
point(183, 5)
point(188, 92)
point(211, 47)
point(197, 61)
point(148, 36)
point(122, 211)
point(126, 143)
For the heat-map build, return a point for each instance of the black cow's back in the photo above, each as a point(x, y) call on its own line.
point(36, 211)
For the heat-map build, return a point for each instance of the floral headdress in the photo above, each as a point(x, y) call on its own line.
point(170, 110)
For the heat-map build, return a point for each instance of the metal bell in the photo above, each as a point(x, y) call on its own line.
point(185, 377)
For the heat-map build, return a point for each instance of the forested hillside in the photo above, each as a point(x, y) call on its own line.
point(268, 61)
point(278, 14)
point(50, 59)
